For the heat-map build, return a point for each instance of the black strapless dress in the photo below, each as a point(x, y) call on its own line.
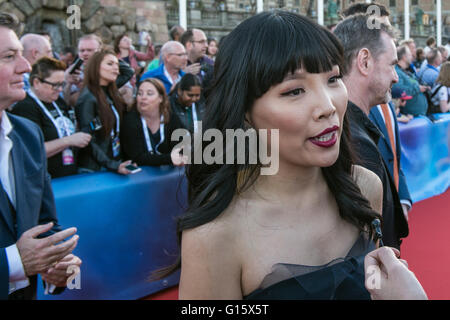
point(340, 279)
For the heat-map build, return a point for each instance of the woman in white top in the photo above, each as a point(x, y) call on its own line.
point(441, 90)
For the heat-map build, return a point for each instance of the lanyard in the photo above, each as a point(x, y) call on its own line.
point(117, 122)
point(66, 130)
point(194, 117)
point(147, 136)
point(432, 67)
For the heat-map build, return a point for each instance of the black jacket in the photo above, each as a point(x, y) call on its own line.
point(28, 108)
point(98, 154)
point(125, 73)
point(365, 137)
point(184, 113)
point(135, 147)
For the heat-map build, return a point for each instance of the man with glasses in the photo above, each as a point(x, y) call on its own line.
point(35, 47)
point(174, 57)
point(196, 44)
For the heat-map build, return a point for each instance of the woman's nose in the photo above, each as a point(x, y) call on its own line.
point(325, 107)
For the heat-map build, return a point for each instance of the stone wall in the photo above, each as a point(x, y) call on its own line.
point(145, 15)
point(106, 18)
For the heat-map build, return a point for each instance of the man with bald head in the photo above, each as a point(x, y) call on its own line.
point(87, 46)
point(174, 57)
point(35, 47)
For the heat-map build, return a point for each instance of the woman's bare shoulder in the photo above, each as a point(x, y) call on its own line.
point(370, 185)
point(211, 265)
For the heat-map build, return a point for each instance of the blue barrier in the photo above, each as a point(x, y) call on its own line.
point(126, 230)
point(425, 155)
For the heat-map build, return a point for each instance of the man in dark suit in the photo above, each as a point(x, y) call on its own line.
point(31, 242)
point(376, 115)
point(369, 74)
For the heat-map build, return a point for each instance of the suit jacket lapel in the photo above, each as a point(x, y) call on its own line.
point(19, 177)
point(5, 210)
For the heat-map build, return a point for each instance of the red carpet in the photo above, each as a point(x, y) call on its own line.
point(168, 294)
point(427, 248)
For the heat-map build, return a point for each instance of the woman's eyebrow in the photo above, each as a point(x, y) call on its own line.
point(294, 76)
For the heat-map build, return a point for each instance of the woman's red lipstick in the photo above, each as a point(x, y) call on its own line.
point(326, 138)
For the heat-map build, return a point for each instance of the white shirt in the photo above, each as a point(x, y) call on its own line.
point(442, 95)
point(17, 277)
point(166, 73)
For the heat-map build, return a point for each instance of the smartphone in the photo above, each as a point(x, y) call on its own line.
point(95, 125)
point(133, 169)
point(77, 65)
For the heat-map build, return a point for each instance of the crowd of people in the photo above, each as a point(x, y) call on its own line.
point(102, 108)
point(335, 96)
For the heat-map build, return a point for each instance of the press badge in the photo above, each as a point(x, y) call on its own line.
point(115, 147)
point(67, 156)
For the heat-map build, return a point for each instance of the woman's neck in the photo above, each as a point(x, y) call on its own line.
point(291, 183)
point(124, 52)
point(153, 120)
point(152, 116)
point(36, 93)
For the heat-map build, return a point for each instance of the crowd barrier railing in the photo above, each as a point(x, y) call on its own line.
point(127, 229)
point(425, 155)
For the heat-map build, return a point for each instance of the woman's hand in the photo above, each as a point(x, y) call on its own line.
point(122, 167)
point(178, 159)
point(79, 139)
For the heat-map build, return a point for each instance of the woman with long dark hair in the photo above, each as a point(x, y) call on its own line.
point(303, 232)
point(99, 111)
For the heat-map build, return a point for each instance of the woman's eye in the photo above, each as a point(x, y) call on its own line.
point(335, 79)
point(294, 92)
